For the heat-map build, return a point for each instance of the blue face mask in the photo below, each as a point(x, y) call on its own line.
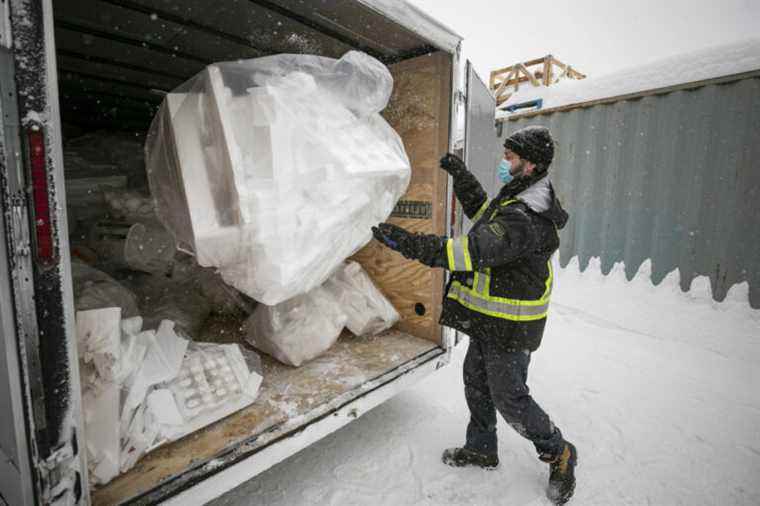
point(504, 168)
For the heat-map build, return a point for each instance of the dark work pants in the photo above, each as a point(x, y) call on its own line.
point(494, 380)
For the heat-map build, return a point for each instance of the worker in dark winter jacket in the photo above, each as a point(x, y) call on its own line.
point(498, 294)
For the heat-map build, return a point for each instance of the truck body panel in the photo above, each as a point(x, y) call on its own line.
point(113, 60)
point(15, 472)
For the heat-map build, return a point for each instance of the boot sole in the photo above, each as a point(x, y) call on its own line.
point(452, 463)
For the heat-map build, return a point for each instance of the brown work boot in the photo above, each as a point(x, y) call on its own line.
point(461, 457)
point(561, 474)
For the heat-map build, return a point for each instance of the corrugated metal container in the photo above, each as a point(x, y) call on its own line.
point(671, 175)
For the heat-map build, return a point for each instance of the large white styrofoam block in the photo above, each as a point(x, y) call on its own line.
point(188, 142)
point(284, 165)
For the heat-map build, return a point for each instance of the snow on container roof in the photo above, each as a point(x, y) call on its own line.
point(719, 61)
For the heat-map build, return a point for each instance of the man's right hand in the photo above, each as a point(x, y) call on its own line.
point(453, 164)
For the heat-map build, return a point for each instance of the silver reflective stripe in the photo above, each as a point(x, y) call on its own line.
point(482, 280)
point(478, 299)
point(459, 254)
point(499, 309)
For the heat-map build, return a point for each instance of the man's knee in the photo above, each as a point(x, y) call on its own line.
point(513, 403)
point(477, 393)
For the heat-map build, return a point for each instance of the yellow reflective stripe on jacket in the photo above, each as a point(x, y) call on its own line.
point(477, 299)
point(458, 253)
point(503, 203)
point(481, 211)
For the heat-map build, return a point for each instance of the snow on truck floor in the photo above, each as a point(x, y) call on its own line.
point(657, 388)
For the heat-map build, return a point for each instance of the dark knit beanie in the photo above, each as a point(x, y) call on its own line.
point(533, 143)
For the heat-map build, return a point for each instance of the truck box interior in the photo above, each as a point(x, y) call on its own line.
point(117, 58)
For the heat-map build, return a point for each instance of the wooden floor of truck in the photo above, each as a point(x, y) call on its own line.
point(286, 393)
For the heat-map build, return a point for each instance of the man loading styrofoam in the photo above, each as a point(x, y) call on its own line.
point(499, 295)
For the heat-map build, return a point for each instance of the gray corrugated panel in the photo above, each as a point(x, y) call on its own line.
point(674, 178)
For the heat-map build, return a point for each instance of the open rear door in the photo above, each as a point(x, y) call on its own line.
point(41, 458)
point(480, 139)
point(16, 484)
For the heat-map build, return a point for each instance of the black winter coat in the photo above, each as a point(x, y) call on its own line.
point(510, 246)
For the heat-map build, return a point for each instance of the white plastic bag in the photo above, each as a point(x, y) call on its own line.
point(368, 311)
point(222, 298)
point(299, 329)
point(274, 169)
point(145, 247)
point(94, 289)
point(163, 298)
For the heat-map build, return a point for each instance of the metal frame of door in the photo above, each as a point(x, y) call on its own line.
point(39, 321)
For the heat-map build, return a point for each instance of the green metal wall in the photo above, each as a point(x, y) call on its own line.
point(673, 177)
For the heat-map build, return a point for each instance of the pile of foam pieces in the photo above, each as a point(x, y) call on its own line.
point(273, 170)
point(265, 175)
point(304, 327)
point(142, 388)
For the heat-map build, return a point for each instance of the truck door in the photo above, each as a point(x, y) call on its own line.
point(16, 485)
point(481, 144)
point(41, 458)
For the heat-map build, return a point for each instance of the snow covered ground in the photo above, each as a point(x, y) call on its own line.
point(660, 391)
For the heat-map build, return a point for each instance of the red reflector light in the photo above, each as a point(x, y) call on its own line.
point(43, 229)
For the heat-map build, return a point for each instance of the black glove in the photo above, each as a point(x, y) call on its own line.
point(396, 238)
point(422, 247)
point(453, 164)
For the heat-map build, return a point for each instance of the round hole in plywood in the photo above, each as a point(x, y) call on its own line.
point(420, 309)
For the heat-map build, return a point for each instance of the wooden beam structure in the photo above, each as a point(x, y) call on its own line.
point(538, 72)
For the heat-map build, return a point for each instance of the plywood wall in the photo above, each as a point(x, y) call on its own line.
point(419, 111)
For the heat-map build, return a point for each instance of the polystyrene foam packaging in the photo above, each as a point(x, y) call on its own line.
point(304, 327)
point(368, 311)
point(299, 329)
point(274, 169)
point(143, 388)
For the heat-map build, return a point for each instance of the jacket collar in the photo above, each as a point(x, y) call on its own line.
point(537, 193)
point(537, 196)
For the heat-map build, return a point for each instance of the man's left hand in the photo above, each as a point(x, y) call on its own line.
point(426, 248)
point(396, 238)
